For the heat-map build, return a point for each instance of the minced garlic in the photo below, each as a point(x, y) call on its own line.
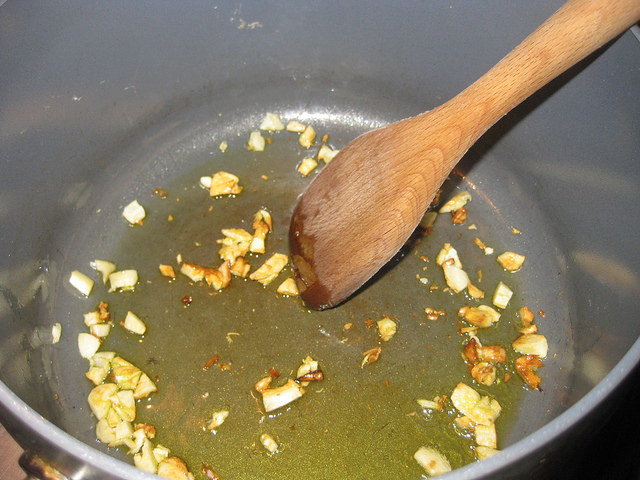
point(224, 183)
point(387, 328)
point(256, 141)
point(134, 213)
point(295, 126)
point(307, 137)
point(531, 344)
point(502, 295)
point(274, 398)
point(288, 287)
point(433, 462)
point(262, 225)
point(271, 122)
point(326, 153)
point(307, 165)
point(511, 261)
point(456, 202)
point(81, 282)
point(481, 316)
point(270, 269)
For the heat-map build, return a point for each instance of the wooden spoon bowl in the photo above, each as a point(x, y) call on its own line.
point(361, 209)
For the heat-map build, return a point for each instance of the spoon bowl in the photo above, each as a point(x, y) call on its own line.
point(364, 205)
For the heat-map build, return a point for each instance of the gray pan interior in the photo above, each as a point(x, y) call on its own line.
point(103, 103)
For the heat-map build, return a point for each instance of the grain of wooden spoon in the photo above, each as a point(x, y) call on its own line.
point(364, 205)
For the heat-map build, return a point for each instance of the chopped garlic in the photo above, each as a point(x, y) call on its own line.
point(387, 328)
point(295, 126)
point(56, 331)
point(502, 295)
point(160, 452)
point(456, 202)
point(217, 419)
point(464, 423)
point(288, 287)
point(262, 225)
point(492, 353)
point(429, 219)
point(271, 122)
point(216, 278)
point(104, 432)
point(531, 344)
point(307, 137)
point(123, 402)
point(275, 398)
point(436, 404)
point(371, 356)
point(91, 318)
point(99, 366)
point(124, 374)
point(133, 323)
point(134, 213)
point(269, 443)
point(308, 365)
point(144, 388)
point(236, 243)
point(145, 459)
point(137, 442)
point(167, 271)
point(433, 462)
point(511, 261)
point(224, 183)
point(307, 165)
point(100, 330)
point(474, 291)
point(99, 399)
point(481, 316)
point(484, 373)
point(456, 278)
point(481, 410)
point(326, 153)
point(122, 434)
point(240, 267)
point(481, 245)
point(174, 468)
point(447, 253)
point(430, 404)
point(88, 345)
point(223, 146)
point(263, 384)
point(527, 318)
point(81, 282)
point(485, 452)
point(526, 367)
point(256, 141)
point(206, 182)
point(486, 435)
point(270, 269)
point(104, 267)
point(123, 280)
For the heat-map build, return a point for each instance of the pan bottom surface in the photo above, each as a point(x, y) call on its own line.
point(359, 422)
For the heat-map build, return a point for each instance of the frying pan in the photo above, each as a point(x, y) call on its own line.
point(102, 103)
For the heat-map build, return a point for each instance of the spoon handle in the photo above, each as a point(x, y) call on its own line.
point(576, 30)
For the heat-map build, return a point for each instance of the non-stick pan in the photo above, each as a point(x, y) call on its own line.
point(103, 103)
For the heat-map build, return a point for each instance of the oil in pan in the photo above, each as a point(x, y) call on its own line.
point(359, 421)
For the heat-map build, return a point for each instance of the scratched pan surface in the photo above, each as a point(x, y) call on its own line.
point(358, 423)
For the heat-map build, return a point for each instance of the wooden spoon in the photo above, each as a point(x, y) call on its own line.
point(361, 209)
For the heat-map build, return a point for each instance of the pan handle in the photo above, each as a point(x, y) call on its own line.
point(36, 468)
